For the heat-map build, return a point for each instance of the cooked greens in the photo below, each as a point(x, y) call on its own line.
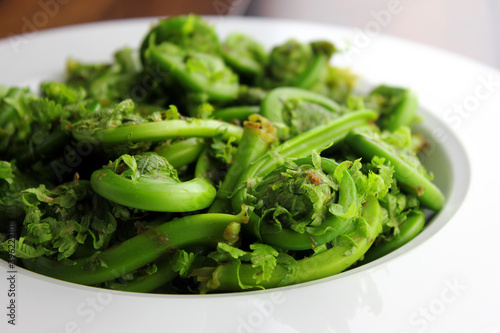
point(194, 165)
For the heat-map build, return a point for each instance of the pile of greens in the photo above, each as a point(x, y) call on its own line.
point(194, 165)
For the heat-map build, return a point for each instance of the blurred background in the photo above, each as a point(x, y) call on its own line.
point(467, 27)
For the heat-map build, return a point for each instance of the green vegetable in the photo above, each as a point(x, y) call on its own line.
point(147, 283)
point(397, 106)
point(258, 136)
point(138, 251)
point(181, 152)
point(197, 72)
point(116, 131)
point(275, 102)
point(61, 221)
point(205, 166)
point(105, 84)
point(190, 32)
point(407, 169)
point(410, 228)
point(149, 182)
point(302, 145)
point(244, 54)
point(12, 183)
point(348, 248)
point(337, 84)
point(193, 166)
point(296, 64)
point(240, 113)
point(297, 210)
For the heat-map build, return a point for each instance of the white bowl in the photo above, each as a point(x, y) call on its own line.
point(445, 280)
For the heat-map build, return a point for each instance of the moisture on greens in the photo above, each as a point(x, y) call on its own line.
point(195, 165)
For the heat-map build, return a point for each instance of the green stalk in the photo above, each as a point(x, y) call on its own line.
point(258, 136)
point(240, 113)
point(155, 196)
point(134, 253)
point(182, 152)
point(148, 283)
point(205, 167)
point(414, 181)
point(161, 130)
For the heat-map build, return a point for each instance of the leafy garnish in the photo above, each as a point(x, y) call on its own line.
point(263, 257)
